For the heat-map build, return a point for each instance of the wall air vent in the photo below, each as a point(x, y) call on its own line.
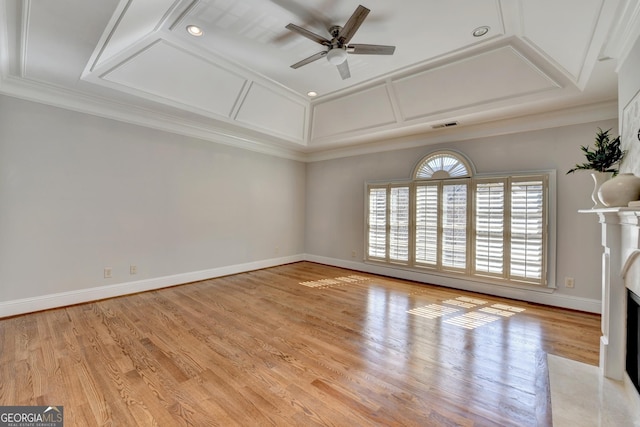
point(444, 125)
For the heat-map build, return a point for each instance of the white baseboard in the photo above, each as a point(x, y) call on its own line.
point(553, 299)
point(45, 302)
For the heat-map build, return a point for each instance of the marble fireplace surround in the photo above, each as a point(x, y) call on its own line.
point(620, 270)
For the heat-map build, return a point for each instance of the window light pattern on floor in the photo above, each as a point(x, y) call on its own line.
point(465, 302)
point(508, 307)
point(502, 310)
point(432, 311)
point(471, 319)
point(337, 281)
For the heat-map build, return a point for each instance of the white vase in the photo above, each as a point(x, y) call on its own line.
point(620, 190)
point(599, 178)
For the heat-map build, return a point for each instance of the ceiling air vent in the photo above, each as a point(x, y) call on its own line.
point(444, 125)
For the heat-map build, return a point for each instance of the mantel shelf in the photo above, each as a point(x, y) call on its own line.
point(620, 209)
point(621, 215)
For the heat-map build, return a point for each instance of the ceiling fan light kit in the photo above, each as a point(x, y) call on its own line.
point(338, 47)
point(337, 56)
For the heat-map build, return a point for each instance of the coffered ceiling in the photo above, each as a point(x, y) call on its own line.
point(134, 60)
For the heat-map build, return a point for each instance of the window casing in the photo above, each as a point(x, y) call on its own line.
point(490, 227)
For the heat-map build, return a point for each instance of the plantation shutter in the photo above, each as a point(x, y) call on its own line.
point(445, 220)
point(399, 224)
point(490, 232)
point(426, 238)
point(454, 226)
point(377, 223)
point(528, 224)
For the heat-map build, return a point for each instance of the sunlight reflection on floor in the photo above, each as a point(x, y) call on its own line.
point(337, 281)
point(470, 319)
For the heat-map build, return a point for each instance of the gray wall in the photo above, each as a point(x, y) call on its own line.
point(335, 204)
point(79, 193)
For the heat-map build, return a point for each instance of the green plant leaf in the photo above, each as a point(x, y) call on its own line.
point(605, 155)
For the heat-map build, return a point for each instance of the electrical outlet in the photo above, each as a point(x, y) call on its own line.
point(353, 254)
point(133, 269)
point(107, 272)
point(569, 282)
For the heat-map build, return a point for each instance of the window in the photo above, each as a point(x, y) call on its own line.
point(447, 220)
point(377, 222)
point(399, 224)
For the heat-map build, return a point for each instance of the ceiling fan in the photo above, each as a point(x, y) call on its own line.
point(338, 47)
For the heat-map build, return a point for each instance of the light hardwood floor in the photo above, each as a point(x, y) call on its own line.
point(260, 348)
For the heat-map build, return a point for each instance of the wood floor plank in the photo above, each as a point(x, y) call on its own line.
point(299, 344)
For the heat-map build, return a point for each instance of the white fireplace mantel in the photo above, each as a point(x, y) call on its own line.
point(621, 249)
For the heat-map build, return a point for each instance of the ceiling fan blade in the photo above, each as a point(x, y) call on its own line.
point(344, 70)
point(370, 49)
point(352, 25)
point(308, 34)
point(312, 58)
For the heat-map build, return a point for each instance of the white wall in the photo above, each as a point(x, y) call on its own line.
point(78, 193)
point(335, 205)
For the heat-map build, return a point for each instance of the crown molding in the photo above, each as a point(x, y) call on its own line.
point(43, 93)
point(525, 123)
point(80, 102)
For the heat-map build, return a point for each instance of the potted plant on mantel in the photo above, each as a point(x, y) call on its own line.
point(603, 160)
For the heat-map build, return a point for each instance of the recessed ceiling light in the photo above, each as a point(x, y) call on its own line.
point(312, 93)
point(194, 30)
point(480, 31)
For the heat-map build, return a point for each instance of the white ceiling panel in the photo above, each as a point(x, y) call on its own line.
point(138, 19)
point(481, 79)
point(60, 58)
point(184, 78)
point(276, 114)
point(367, 109)
point(564, 34)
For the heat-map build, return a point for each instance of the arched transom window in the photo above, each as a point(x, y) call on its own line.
point(443, 165)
